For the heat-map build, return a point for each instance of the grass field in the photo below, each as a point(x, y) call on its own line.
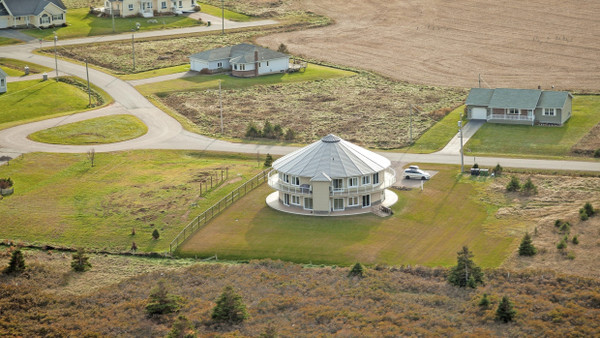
point(427, 228)
point(97, 207)
point(216, 11)
point(81, 23)
point(100, 130)
point(501, 139)
point(22, 102)
point(439, 134)
point(14, 67)
point(155, 73)
point(8, 41)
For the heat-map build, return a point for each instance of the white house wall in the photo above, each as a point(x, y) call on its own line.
point(275, 66)
point(4, 21)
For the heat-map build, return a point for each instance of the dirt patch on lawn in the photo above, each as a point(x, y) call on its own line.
point(589, 143)
point(519, 44)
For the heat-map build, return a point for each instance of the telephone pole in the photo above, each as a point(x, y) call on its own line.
point(87, 73)
point(462, 161)
point(410, 122)
point(55, 57)
point(221, 106)
point(133, 48)
point(223, 17)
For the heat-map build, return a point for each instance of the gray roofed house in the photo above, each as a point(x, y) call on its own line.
point(3, 81)
point(243, 60)
point(332, 176)
point(37, 13)
point(519, 106)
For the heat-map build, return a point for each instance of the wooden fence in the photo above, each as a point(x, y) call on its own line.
point(202, 219)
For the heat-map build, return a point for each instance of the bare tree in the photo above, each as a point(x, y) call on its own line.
point(91, 155)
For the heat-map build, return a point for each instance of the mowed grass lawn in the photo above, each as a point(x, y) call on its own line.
point(439, 134)
point(541, 141)
point(100, 130)
point(28, 101)
point(8, 41)
point(313, 72)
point(14, 67)
point(60, 199)
point(427, 228)
point(81, 23)
point(229, 15)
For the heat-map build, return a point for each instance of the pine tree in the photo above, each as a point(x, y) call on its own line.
point(526, 248)
point(575, 240)
point(17, 262)
point(529, 188)
point(268, 160)
point(514, 184)
point(465, 273)
point(230, 307)
point(505, 311)
point(80, 261)
point(160, 301)
point(497, 170)
point(182, 328)
point(155, 234)
point(485, 301)
point(589, 209)
point(358, 270)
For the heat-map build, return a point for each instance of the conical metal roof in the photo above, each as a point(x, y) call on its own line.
point(333, 157)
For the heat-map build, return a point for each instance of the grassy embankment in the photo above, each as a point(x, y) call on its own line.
point(97, 207)
point(8, 41)
point(438, 135)
point(537, 141)
point(100, 130)
point(427, 228)
point(21, 104)
point(229, 15)
point(81, 24)
point(14, 67)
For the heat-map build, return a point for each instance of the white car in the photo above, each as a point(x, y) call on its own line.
point(415, 173)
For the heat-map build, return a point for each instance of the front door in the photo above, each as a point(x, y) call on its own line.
point(366, 200)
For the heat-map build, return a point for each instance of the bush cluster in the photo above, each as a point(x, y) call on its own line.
point(586, 212)
point(269, 131)
point(6, 183)
point(528, 188)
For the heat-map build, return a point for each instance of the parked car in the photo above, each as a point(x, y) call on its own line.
point(415, 173)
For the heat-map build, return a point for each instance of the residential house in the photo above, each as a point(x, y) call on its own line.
point(331, 177)
point(32, 13)
point(147, 8)
point(3, 81)
point(243, 60)
point(519, 106)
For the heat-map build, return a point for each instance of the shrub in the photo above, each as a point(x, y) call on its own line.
point(80, 261)
point(289, 134)
point(268, 160)
point(267, 130)
point(358, 270)
point(485, 301)
point(505, 311)
point(497, 171)
point(282, 48)
point(583, 215)
point(476, 166)
point(589, 209)
point(252, 131)
point(529, 188)
point(182, 328)
point(161, 302)
point(277, 131)
point(155, 234)
point(597, 153)
point(514, 184)
point(5, 183)
point(557, 223)
point(561, 245)
point(575, 240)
point(16, 263)
point(465, 273)
point(230, 307)
point(565, 228)
point(526, 248)
point(571, 255)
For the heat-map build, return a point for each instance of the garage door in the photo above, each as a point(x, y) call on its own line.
point(3, 22)
point(479, 114)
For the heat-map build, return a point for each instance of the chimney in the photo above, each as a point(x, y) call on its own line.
point(255, 63)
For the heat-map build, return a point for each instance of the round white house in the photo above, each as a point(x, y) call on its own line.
point(331, 177)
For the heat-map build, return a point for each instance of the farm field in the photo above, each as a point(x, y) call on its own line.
point(97, 207)
point(500, 139)
point(511, 44)
point(427, 228)
point(100, 130)
point(366, 108)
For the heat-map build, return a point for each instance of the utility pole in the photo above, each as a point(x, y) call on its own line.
point(223, 17)
point(55, 57)
point(112, 13)
point(133, 48)
point(462, 161)
point(410, 122)
point(87, 73)
point(479, 80)
point(221, 106)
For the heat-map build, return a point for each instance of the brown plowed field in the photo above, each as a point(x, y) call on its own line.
point(510, 43)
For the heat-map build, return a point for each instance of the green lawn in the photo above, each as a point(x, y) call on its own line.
point(313, 72)
point(106, 129)
point(439, 135)
point(503, 139)
point(229, 15)
point(427, 228)
point(14, 67)
point(8, 41)
point(28, 101)
point(155, 73)
point(60, 199)
point(81, 24)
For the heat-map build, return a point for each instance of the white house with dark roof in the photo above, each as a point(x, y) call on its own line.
point(243, 60)
point(37, 13)
point(3, 81)
point(147, 8)
point(519, 106)
point(331, 177)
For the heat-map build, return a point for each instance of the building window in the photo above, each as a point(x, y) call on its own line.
point(235, 67)
point(353, 201)
point(366, 180)
point(286, 199)
point(353, 182)
point(193, 3)
point(148, 5)
point(513, 111)
point(295, 200)
point(267, 63)
point(1, 82)
point(220, 64)
point(284, 177)
point(337, 183)
point(549, 112)
point(376, 178)
point(163, 5)
point(130, 7)
point(242, 67)
point(308, 203)
point(338, 204)
point(44, 19)
point(57, 17)
point(295, 180)
point(180, 4)
point(366, 200)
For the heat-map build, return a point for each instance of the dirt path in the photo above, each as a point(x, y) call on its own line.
point(510, 43)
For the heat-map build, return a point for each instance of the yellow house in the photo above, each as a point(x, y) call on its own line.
point(36, 13)
point(147, 8)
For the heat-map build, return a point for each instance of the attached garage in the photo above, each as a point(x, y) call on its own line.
point(478, 113)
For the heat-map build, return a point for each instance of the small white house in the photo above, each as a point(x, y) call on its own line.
point(147, 8)
point(36, 13)
point(243, 60)
point(3, 80)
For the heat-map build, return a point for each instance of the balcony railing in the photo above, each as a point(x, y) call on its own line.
point(275, 183)
point(510, 117)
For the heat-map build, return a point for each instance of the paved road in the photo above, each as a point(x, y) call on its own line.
point(164, 132)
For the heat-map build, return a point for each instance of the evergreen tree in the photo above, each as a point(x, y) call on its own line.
point(230, 307)
point(252, 131)
point(529, 188)
point(497, 170)
point(16, 263)
point(575, 240)
point(358, 270)
point(283, 48)
point(155, 234)
point(290, 134)
point(589, 209)
point(485, 301)
point(268, 130)
point(80, 261)
point(268, 160)
point(526, 248)
point(160, 301)
point(514, 184)
point(182, 328)
point(505, 311)
point(465, 273)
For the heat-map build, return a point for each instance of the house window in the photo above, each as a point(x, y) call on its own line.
point(1, 82)
point(57, 17)
point(267, 63)
point(376, 178)
point(366, 200)
point(180, 4)
point(193, 3)
point(220, 64)
point(337, 183)
point(284, 177)
point(513, 111)
point(130, 7)
point(353, 201)
point(549, 112)
point(242, 67)
point(366, 180)
point(353, 182)
point(44, 19)
point(163, 5)
point(148, 5)
point(295, 180)
point(295, 200)
point(338, 204)
point(286, 199)
point(235, 67)
point(308, 203)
